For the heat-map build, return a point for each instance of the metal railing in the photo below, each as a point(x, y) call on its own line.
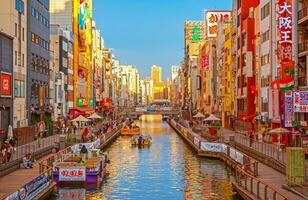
point(34, 147)
point(302, 13)
point(256, 187)
point(270, 150)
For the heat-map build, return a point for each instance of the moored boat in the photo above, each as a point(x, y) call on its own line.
point(130, 131)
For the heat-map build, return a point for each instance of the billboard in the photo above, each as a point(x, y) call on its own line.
point(5, 84)
point(194, 31)
point(300, 101)
point(76, 173)
point(212, 18)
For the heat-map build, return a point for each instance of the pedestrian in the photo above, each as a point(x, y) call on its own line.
point(27, 161)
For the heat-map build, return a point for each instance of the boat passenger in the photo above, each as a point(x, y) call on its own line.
point(140, 140)
point(84, 149)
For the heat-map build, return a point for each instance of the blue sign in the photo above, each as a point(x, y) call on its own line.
point(288, 109)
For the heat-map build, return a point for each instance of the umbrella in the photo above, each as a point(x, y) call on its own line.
point(95, 116)
point(279, 130)
point(81, 118)
point(199, 115)
point(10, 132)
point(212, 118)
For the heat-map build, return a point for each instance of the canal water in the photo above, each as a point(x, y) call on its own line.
point(168, 169)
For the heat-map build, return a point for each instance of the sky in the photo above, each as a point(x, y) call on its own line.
point(147, 32)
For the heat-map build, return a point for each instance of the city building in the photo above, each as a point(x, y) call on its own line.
point(14, 29)
point(62, 75)
point(156, 74)
point(38, 60)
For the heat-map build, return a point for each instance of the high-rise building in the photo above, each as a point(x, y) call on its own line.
point(15, 25)
point(156, 74)
point(174, 72)
point(38, 60)
point(76, 17)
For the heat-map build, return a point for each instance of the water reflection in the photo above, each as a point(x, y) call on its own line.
point(169, 169)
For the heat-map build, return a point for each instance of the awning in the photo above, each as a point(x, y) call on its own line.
point(86, 109)
point(249, 117)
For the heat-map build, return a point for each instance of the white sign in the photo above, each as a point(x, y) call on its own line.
point(300, 101)
point(236, 156)
point(77, 173)
point(214, 147)
point(213, 18)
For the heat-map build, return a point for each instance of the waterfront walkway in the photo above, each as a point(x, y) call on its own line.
point(266, 174)
point(20, 177)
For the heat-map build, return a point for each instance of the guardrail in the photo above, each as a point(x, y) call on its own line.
point(256, 187)
point(33, 147)
point(270, 150)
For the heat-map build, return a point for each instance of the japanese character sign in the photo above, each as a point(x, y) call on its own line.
point(285, 30)
point(204, 62)
point(5, 84)
point(213, 18)
point(72, 174)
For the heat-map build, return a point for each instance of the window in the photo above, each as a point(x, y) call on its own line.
point(244, 59)
point(238, 22)
point(23, 34)
point(241, 104)
point(265, 59)
point(33, 12)
point(238, 82)
point(20, 6)
point(238, 62)
point(36, 14)
point(19, 88)
point(239, 4)
point(64, 62)
point(265, 10)
point(244, 39)
point(15, 57)
point(264, 106)
point(244, 82)
point(64, 46)
point(265, 36)
point(23, 60)
point(238, 43)
point(15, 30)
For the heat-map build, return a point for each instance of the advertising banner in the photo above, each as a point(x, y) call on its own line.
point(212, 18)
point(76, 173)
point(213, 147)
point(288, 109)
point(300, 101)
point(274, 104)
point(204, 62)
point(6, 82)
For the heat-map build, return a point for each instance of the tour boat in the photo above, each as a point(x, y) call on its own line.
point(130, 131)
point(81, 169)
point(145, 140)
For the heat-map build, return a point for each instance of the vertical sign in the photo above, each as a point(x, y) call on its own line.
point(274, 104)
point(285, 44)
point(204, 61)
point(5, 84)
point(288, 109)
point(212, 18)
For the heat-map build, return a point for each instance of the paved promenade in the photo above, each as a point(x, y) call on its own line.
point(15, 180)
point(267, 174)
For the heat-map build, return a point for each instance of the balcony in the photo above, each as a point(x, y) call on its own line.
point(303, 15)
point(303, 48)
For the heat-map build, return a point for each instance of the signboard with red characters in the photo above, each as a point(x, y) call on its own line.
point(204, 61)
point(212, 18)
point(77, 173)
point(5, 84)
point(300, 101)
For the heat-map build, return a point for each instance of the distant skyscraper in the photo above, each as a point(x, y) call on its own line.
point(156, 74)
point(174, 72)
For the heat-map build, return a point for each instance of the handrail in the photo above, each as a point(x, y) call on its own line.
point(262, 189)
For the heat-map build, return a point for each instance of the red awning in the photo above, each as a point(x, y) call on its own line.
point(86, 109)
point(249, 117)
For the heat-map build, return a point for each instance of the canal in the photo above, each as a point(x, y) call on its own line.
point(168, 169)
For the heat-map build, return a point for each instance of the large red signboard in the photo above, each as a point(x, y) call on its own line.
point(284, 10)
point(6, 84)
